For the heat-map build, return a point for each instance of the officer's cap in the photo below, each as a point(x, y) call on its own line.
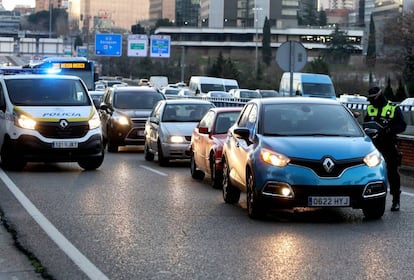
point(374, 92)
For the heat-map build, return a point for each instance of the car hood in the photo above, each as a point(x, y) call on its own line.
point(135, 113)
point(318, 147)
point(178, 128)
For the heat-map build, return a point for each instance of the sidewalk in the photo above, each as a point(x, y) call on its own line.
point(14, 264)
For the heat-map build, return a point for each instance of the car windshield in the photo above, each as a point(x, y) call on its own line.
point(47, 92)
point(309, 120)
point(185, 112)
point(136, 100)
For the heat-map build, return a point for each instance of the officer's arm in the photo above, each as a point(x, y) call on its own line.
point(398, 124)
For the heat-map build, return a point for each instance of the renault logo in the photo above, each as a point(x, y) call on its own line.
point(328, 164)
point(63, 124)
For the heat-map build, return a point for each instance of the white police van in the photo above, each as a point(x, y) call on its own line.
point(48, 118)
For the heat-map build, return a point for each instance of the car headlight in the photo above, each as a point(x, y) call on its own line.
point(274, 158)
point(176, 139)
point(373, 159)
point(25, 122)
point(122, 120)
point(95, 122)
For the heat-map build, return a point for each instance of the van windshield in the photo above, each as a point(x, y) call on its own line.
point(212, 87)
point(315, 89)
point(47, 92)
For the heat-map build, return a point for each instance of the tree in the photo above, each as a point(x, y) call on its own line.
point(137, 29)
point(266, 48)
point(388, 92)
point(371, 50)
point(338, 48)
point(318, 66)
point(224, 68)
point(323, 19)
point(400, 95)
point(399, 44)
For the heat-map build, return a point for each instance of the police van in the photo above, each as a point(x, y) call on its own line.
point(48, 118)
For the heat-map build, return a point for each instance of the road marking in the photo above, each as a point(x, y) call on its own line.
point(154, 170)
point(407, 193)
point(71, 251)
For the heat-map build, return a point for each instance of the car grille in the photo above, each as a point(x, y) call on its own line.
point(136, 132)
point(318, 167)
point(54, 130)
point(188, 138)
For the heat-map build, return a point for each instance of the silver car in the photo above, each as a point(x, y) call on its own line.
point(169, 128)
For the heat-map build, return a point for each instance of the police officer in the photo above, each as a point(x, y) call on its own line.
point(391, 122)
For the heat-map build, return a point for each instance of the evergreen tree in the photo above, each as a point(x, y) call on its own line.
point(388, 92)
point(400, 95)
point(323, 19)
point(371, 50)
point(338, 48)
point(266, 48)
point(318, 66)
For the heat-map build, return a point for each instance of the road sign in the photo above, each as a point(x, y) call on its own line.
point(160, 46)
point(137, 45)
point(291, 56)
point(108, 44)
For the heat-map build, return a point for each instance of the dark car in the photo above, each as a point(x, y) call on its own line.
point(302, 152)
point(169, 127)
point(207, 143)
point(123, 113)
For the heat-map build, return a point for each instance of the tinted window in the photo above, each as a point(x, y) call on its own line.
point(136, 100)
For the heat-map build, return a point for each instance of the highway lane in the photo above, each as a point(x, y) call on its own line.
point(132, 219)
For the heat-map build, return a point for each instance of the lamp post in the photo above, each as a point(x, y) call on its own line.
point(50, 18)
point(256, 24)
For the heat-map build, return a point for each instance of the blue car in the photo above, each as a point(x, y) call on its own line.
point(289, 152)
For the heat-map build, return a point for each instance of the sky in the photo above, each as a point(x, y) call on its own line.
point(9, 4)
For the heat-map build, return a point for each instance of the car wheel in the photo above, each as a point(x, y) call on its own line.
point(91, 164)
point(375, 209)
point(149, 156)
point(254, 207)
point(162, 160)
point(216, 175)
point(10, 158)
point(231, 194)
point(195, 173)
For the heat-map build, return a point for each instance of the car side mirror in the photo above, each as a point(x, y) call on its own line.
point(371, 132)
point(154, 120)
point(242, 133)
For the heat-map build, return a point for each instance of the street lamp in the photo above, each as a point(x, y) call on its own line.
point(256, 24)
point(50, 18)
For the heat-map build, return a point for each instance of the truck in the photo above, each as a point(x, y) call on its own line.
point(307, 84)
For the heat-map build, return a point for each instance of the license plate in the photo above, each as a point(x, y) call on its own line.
point(328, 201)
point(65, 144)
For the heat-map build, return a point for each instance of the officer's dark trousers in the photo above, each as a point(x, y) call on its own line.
point(392, 161)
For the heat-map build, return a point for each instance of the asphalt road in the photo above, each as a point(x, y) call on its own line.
point(132, 219)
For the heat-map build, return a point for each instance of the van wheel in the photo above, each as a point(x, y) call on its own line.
point(11, 159)
point(91, 163)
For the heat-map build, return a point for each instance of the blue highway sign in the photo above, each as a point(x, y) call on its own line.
point(108, 44)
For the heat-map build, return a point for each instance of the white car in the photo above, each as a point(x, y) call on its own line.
point(407, 104)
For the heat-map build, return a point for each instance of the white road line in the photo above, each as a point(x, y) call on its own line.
point(71, 251)
point(407, 193)
point(154, 170)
